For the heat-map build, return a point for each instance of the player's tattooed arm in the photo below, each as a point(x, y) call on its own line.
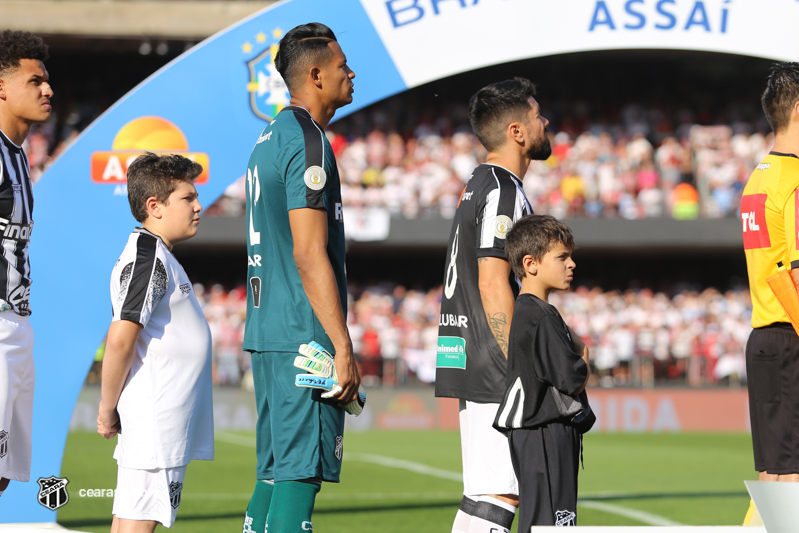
point(497, 297)
point(500, 327)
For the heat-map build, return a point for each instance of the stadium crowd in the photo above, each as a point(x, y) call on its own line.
point(412, 161)
point(638, 337)
point(636, 168)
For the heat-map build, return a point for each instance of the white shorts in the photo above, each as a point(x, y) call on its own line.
point(149, 494)
point(16, 396)
point(487, 468)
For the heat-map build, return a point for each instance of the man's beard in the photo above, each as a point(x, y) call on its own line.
point(541, 150)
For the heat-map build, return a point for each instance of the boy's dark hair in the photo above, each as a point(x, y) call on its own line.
point(151, 175)
point(18, 45)
point(535, 235)
point(497, 105)
point(301, 48)
point(781, 94)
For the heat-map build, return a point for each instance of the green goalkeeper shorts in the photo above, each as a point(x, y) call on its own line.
point(298, 434)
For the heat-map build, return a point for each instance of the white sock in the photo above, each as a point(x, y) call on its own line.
point(464, 514)
point(491, 515)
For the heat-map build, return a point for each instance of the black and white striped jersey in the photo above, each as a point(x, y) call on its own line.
point(469, 362)
point(16, 223)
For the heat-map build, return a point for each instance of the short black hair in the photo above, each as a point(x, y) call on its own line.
point(300, 48)
point(18, 45)
point(497, 105)
point(152, 175)
point(535, 235)
point(781, 94)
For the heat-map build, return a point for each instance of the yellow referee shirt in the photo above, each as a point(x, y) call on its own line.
point(769, 220)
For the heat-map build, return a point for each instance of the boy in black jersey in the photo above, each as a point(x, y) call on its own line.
point(545, 409)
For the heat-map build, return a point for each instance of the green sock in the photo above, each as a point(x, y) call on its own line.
point(292, 507)
point(258, 509)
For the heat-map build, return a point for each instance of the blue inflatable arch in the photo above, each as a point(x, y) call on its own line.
point(212, 102)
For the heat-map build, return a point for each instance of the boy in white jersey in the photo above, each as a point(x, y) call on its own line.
point(156, 389)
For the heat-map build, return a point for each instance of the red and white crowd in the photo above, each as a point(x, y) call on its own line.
point(637, 337)
point(604, 171)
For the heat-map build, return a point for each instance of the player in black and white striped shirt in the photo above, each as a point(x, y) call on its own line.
point(25, 94)
point(479, 292)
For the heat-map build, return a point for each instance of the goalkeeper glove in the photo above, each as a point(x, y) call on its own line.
point(322, 375)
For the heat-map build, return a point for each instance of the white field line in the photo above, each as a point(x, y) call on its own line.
point(419, 468)
point(402, 464)
point(635, 514)
point(353, 497)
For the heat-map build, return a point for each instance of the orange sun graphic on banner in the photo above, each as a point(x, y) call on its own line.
point(144, 134)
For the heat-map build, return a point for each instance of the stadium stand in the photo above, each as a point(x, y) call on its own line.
point(639, 338)
point(619, 158)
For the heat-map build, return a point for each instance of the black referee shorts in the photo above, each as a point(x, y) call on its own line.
point(546, 462)
point(772, 368)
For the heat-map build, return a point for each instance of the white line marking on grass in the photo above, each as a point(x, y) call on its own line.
point(350, 496)
point(391, 496)
point(635, 514)
point(419, 468)
point(402, 464)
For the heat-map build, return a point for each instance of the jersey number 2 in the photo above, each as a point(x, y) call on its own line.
point(254, 196)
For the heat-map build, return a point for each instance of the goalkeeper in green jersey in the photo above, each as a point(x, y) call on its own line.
point(297, 289)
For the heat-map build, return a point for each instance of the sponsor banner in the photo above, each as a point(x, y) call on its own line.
point(411, 408)
point(656, 410)
point(490, 32)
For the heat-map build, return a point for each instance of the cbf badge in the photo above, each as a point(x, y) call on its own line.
point(502, 226)
point(268, 92)
point(315, 178)
point(53, 492)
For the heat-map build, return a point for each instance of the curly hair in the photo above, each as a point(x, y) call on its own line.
point(18, 45)
point(151, 175)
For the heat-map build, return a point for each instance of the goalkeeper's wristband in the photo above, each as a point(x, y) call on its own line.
point(355, 407)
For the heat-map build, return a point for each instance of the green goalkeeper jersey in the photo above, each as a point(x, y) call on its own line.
point(292, 166)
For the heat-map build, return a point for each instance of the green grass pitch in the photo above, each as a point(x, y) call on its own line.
point(408, 481)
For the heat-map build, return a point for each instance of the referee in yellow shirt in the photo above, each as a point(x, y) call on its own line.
point(770, 226)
